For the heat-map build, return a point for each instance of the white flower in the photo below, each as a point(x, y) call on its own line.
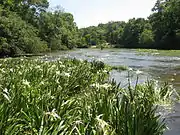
point(171, 86)
point(42, 82)
point(106, 85)
point(53, 114)
point(22, 59)
point(5, 90)
point(138, 72)
point(25, 82)
point(67, 74)
point(130, 69)
point(6, 96)
point(52, 97)
point(97, 85)
point(62, 66)
point(59, 62)
point(57, 72)
point(172, 79)
point(11, 70)
point(81, 60)
point(20, 72)
point(103, 125)
point(105, 71)
point(2, 70)
point(38, 67)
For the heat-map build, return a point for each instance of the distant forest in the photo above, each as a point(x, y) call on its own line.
point(28, 26)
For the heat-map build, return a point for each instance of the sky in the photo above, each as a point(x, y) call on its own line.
point(92, 12)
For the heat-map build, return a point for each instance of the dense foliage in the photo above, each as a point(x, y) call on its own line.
point(68, 97)
point(160, 30)
point(28, 27)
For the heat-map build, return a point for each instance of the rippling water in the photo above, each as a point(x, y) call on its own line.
point(163, 68)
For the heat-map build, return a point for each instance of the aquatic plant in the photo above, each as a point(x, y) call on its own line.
point(68, 96)
point(119, 68)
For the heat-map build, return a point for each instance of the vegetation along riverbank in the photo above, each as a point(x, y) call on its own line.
point(69, 96)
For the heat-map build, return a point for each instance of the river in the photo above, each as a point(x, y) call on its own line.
point(154, 66)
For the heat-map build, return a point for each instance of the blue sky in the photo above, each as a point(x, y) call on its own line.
point(93, 12)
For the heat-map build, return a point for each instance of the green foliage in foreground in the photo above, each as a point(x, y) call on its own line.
point(71, 97)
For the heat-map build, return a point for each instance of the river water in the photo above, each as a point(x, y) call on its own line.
point(153, 66)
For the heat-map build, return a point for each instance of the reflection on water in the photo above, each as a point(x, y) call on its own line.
point(163, 68)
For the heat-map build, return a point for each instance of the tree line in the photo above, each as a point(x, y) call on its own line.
point(161, 30)
point(28, 26)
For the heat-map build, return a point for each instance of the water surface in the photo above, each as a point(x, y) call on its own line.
point(161, 67)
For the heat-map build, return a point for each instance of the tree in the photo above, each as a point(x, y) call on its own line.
point(132, 32)
point(58, 29)
point(17, 36)
point(146, 39)
point(165, 22)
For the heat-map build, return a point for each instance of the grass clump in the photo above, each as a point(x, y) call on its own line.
point(68, 97)
point(119, 68)
point(158, 52)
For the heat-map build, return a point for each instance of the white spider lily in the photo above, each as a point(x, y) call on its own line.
point(65, 74)
point(53, 114)
point(5, 90)
point(2, 70)
point(20, 72)
point(42, 82)
point(95, 85)
point(37, 67)
point(11, 70)
point(58, 73)
point(105, 71)
point(106, 85)
point(25, 82)
point(59, 62)
point(103, 125)
point(62, 66)
point(6, 96)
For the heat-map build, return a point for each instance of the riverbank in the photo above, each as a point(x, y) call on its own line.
point(70, 96)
